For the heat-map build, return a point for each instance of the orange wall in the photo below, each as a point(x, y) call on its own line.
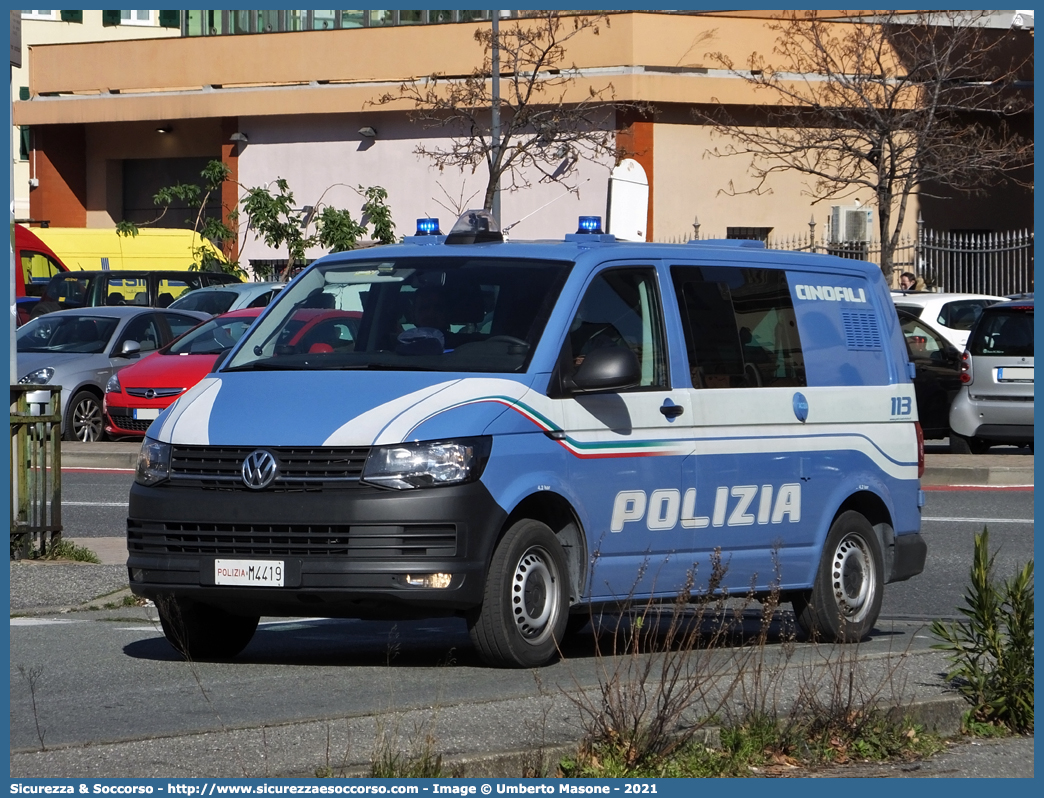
point(61, 197)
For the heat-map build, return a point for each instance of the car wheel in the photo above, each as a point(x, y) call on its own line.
point(200, 632)
point(844, 602)
point(525, 605)
point(83, 418)
point(959, 444)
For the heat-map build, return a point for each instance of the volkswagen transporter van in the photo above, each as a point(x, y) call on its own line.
point(515, 432)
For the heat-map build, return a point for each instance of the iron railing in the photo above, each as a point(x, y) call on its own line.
point(985, 263)
point(36, 469)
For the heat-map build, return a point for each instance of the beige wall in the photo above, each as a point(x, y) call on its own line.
point(692, 182)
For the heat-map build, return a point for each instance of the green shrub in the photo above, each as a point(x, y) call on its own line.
point(991, 651)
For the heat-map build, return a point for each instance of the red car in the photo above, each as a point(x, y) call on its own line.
point(135, 397)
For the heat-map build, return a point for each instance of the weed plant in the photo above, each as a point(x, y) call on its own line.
point(67, 550)
point(991, 650)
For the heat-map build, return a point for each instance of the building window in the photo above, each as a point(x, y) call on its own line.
point(137, 18)
point(39, 15)
point(748, 233)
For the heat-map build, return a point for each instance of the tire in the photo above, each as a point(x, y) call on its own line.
point(845, 599)
point(525, 605)
point(83, 418)
point(200, 632)
point(959, 444)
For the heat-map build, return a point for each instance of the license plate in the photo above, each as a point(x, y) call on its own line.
point(259, 573)
point(1015, 374)
point(147, 413)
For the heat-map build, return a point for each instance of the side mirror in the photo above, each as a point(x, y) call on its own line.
point(608, 368)
point(221, 358)
point(130, 349)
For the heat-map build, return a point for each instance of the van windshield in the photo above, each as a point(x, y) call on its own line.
point(468, 314)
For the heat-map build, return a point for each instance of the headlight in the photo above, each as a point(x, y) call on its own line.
point(153, 462)
point(38, 377)
point(113, 385)
point(420, 465)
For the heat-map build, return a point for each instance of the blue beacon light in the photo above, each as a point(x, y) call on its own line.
point(428, 227)
point(590, 224)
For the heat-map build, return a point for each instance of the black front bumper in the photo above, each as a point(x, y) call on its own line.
point(345, 552)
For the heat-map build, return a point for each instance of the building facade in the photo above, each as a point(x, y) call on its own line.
point(114, 121)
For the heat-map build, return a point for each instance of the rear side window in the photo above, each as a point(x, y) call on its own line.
point(1003, 333)
point(961, 314)
point(740, 327)
point(127, 291)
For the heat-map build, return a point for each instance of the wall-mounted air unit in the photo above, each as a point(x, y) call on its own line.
point(849, 223)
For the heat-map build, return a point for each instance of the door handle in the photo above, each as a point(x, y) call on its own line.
point(672, 411)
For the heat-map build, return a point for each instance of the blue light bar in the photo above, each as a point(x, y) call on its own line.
point(590, 224)
point(428, 227)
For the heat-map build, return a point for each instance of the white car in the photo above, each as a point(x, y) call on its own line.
point(951, 314)
point(228, 297)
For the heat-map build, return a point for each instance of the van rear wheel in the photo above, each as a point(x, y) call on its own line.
point(845, 599)
point(200, 632)
point(525, 606)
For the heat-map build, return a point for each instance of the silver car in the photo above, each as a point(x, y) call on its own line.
point(218, 299)
point(80, 349)
point(995, 403)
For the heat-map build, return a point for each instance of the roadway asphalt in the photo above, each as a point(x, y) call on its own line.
point(46, 588)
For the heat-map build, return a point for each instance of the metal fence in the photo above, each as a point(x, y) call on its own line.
point(36, 469)
point(986, 263)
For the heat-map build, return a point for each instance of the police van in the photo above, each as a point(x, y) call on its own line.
point(512, 432)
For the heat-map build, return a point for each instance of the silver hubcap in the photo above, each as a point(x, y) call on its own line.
point(534, 595)
point(87, 421)
point(853, 578)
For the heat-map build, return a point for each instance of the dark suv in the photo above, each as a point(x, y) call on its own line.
point(147, 288)
point(995, 403)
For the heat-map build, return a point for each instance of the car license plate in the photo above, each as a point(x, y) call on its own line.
point(259, 573)
point(1015, 374)
point(147, 413)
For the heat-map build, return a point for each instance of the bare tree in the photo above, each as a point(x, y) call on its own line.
point(543, 131)
point(895, 103)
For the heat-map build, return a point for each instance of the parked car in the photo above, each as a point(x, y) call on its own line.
point(80, 349)
point(156, 289)
point(952, 314)
point(938, 373)
point(136, 395)
point(995, 403)
point(218, 299)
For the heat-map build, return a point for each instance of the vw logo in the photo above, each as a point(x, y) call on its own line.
point(150, 393)
point(259, 469)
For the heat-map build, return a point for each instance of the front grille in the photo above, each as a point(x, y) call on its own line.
point(300, 467)
point(292, 540)
point(159, 393)
point(132, 424)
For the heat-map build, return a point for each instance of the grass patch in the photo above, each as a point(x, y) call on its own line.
point(66, 550)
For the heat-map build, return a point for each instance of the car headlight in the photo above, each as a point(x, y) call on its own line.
point(113, 385)
point(38, 377)
point(153, 462)
point(420, 465)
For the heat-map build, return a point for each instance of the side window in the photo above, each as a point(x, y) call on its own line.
point(167, 290)
point(922, 343)
point(145, 331)
point(621, 308)
point(127, 291)
point(263, 300)
point(179, 323)
point(740, 327)
point(37, 270)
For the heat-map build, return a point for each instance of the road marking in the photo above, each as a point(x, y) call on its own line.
point(41, 621)
point(977, 487)
point(979, 520)
point(94, 504)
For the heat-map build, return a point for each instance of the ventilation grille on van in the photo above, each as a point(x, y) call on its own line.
point(861, 331)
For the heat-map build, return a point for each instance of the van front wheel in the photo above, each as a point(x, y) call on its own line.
point(525, 605)
point(845, 599)
point(200, 632)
